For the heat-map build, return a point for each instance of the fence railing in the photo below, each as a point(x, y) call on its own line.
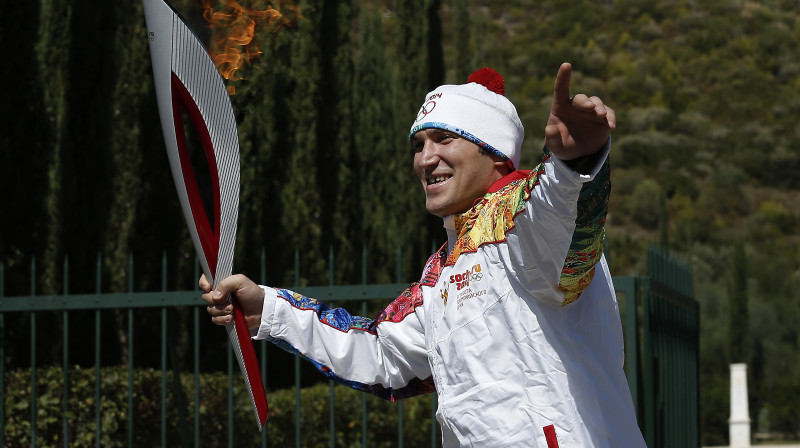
point(660, 320)
point(662, 328)
point(165, 300)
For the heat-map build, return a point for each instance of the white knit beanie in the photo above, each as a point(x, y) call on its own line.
point(477, 111)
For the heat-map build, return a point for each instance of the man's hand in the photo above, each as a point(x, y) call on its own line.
point(249, 296)
point(577, 126)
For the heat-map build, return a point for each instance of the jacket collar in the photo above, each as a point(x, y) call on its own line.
point(507, 179)
point(453, 223)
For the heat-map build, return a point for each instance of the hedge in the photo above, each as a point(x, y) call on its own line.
point(382, 416)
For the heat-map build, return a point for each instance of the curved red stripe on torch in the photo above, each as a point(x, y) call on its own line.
point(209, 238)
point(259, 396)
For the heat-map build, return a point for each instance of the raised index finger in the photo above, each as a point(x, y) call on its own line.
point(561, 90)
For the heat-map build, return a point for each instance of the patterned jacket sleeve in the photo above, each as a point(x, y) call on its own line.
point(559, 234)
point(385, 356)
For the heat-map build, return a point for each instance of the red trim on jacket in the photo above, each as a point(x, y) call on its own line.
point(507, 179)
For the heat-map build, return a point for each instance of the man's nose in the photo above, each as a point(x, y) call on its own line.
point(430, 155)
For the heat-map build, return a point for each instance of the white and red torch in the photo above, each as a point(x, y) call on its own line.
point(187, 82)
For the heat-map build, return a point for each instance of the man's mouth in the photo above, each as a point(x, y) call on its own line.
point(437, 179)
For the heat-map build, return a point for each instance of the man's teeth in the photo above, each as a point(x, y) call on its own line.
point(436, 180)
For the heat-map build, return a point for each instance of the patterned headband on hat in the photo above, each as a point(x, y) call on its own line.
point(477, 111)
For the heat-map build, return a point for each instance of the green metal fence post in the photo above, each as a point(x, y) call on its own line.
point(673, 362)
point(163, 354)
point(130, 354)
point(230, 396)
point(97, 324)
point(264, 347)
point(660, 359)
point(332, 398)
point(2, 359)
point(196, 343)
point(400, 403)
point(364, 313)
point(696, 344)
point(65, 346)
point(177, 394)
point(649, 383)
point(33, 356)
point(630, 288)
point(297, 358)
point(650, 350)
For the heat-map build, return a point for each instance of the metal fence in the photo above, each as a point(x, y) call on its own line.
point(662, 328)
point(660, 320)
point(165, 300)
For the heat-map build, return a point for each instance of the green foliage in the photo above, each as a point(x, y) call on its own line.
point(644, 204)
point(463, 40)
point(54, 67)
point(738, 331)
point(705, 155)
point(783, 408)
point(382, 416)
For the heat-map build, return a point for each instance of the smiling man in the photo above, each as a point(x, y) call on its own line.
point(514, 322)
point(453, 171)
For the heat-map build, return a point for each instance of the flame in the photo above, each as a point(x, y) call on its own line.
point(234, 30)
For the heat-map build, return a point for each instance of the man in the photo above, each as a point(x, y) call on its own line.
point(514, 321)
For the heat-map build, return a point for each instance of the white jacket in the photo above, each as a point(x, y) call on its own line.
point(515, 322)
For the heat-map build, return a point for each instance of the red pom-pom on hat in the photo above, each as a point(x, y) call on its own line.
point(489, 79)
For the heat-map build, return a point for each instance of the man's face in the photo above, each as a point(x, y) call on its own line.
point(453, 171)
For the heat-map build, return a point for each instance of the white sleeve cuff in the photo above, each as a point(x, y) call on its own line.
point(267, 313)
point(563, 170)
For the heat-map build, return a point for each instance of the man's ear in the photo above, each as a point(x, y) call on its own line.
point(503, 166)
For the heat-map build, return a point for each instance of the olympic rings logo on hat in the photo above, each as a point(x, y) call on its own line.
point(425, 110)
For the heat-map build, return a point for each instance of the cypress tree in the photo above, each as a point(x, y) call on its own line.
point(300, 193)
point(411, 72)
point(132, 84)
point(435, 53)
point(410, 222)
point(335, 140)
point(91, 119)
point(463, 40)
point(24, 153)
point(376, 145)
point(53, 57)
point(260, 104)
point(663, 222)
point(739, 320)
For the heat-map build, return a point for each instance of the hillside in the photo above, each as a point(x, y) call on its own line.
point(706, 157)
